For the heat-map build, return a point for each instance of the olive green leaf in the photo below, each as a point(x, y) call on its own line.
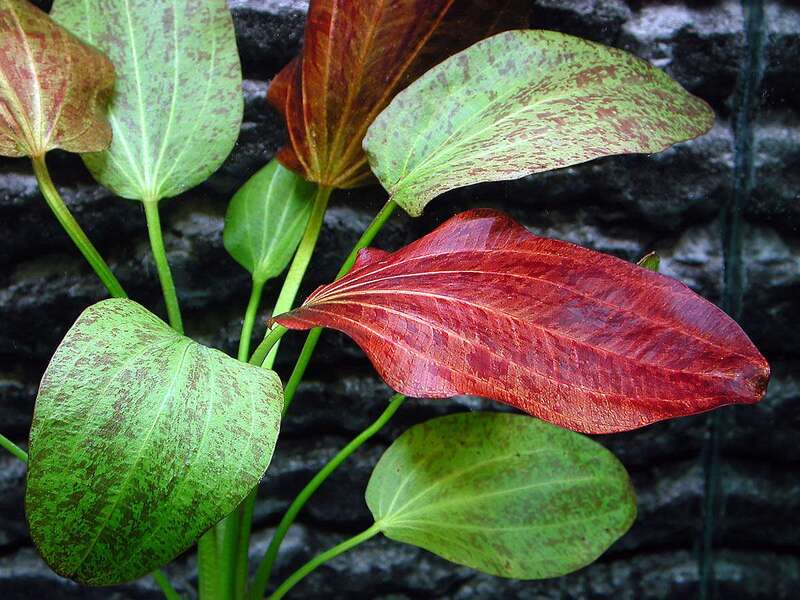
point(266, 220)
point(505, 494)
point(53, 88)
point(651, 261)
point(141, 440)
point(522, 102)
point(177, 105)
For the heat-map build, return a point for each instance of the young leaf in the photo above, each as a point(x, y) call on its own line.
point(141, 440)
point(53, 88)
point(505, 494)
point(578, 338)
point(177, 105)
point(523, 102)
point(651, 261)
point(266, 220)
point(357, 55)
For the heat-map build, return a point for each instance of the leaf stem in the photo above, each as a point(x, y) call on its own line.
point(165, 585)
point(207, 566)
point(313, 336)
point(250, 320)
point(237, 526)
point(162, 265)
point(307, 568)
point(265, 568)
point(73, 229)
point(274, 335)
point(13, 448)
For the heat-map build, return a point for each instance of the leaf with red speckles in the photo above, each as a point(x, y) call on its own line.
point(53, 87)
point(523, 102)
point(357, 55)
point(504, 494)
point(578, 338)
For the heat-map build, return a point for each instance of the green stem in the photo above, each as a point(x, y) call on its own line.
point(250, 320)
point(165, 585)
point(307, 568)
point(73, 230)
point(160, 257)
point(313, 336)
point(207, 566)
point(274, 335)
point(239, 532)
point(267, 563)
point(13, 448)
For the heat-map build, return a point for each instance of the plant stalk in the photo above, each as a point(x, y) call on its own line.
point(307, 568)
point(165, 585)
point(250, 320)
point(237, 525)
point(162, 265)
point(13, 448)
point(73, 229)
point(313, 336)
point(265, 568)
point(207, 567)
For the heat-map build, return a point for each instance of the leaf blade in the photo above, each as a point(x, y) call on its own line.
point(580, 339)
point(266, 220)
point(486, 115)
point(178, 101)
point(141, 440)
point(505, 494)
point(56, 96)
point(352, 65)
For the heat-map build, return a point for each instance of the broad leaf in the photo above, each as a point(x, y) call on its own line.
point(177, 105)
point(578, 338)
point(523, 102)
point(505, 494)
point(142, 439)
point(357, 55)
point(53, 88)
point(651, 261)
point(266, 220)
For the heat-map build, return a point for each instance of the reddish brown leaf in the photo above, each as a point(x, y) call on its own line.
point(357, 55)
point(53, 87)
point(578, 338)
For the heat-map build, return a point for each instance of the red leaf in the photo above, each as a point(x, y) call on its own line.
point(578, 338)
point(53, 88)
point(358, 54)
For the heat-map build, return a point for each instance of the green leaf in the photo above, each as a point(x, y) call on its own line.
point(522, 102)
point(141, 440)
point(177, 105)
point(505, 494)
point(266, 220)
point(651, 261)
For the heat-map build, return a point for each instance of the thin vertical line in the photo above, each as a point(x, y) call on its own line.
point(745, 106)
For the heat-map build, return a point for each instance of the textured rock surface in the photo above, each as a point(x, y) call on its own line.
point(678, 202)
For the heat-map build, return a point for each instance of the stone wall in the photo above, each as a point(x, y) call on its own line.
point(718, 494)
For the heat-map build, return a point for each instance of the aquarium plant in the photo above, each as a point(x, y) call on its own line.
point(145, 442)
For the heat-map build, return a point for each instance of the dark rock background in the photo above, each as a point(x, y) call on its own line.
point(718, 494)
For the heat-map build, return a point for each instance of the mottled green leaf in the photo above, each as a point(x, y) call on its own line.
point(177, 105)
point(651, 261)
point(522, 102)
point(505, 494)
point(53, 88)
point(141, 440)
point(266, 220)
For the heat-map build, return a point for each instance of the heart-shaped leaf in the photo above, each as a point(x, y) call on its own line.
point(357, 55)
point(505, 494)
point(523, 102)
point(141, 440)
point(177, 105)
point(266, 220)
point(578, 338)
point(53, 88)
